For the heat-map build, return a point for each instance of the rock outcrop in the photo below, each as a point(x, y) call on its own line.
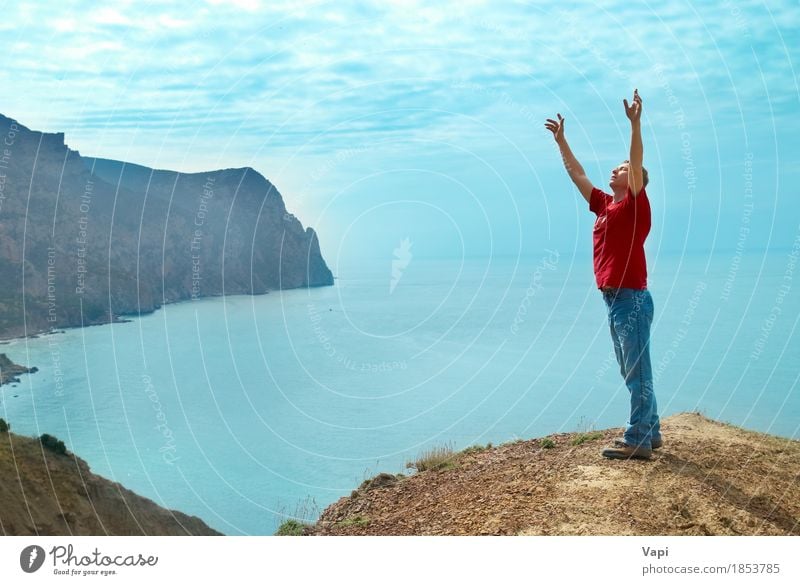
point(9, 370)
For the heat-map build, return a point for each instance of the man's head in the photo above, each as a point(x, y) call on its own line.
point(619, 177)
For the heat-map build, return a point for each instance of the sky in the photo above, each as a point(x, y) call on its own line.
point(389, 122)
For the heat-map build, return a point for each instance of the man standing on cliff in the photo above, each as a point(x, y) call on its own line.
point(620, 268)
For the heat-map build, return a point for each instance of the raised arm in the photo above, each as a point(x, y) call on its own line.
point(634, 113)
point(574, 168)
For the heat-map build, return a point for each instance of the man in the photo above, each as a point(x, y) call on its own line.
point(620, 229)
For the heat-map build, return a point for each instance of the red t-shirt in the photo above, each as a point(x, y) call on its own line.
point(619, 233)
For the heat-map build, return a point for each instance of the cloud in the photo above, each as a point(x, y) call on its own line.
point(248, 5)
point(169, 21)
point(62, 25)
point(106, 16)
point(318, 77)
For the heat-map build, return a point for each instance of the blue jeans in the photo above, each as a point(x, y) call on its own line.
point(630, 314)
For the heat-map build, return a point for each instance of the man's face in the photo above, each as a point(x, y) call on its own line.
point(619, 177)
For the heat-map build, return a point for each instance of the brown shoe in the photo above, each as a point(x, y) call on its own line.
point(656, 443)
point(622, 450)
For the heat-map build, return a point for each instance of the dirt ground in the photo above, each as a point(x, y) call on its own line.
point(709, 478)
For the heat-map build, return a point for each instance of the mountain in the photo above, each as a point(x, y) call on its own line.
point(709, 478)
point(46, 493)
point(86, 240)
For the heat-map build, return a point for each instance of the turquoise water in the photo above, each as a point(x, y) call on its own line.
point(243, 409)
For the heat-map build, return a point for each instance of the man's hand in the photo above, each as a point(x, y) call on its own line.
point(634, 111)
point(556, 127)
point(635, 173)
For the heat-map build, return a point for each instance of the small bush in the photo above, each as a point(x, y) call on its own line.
point(291, 528)
point(379, 481)
point(584, 437)
point(4, 426)
point(437, 458)
point(547, 443)
point(53, 444)
point(476, 449)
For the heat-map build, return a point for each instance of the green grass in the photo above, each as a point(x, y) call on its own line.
point(354, 521)
point(291, 528)
point(547, 443)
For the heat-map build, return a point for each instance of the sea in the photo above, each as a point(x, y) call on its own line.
point(250, 410)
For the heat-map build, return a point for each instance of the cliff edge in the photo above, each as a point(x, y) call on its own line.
point(709, 478)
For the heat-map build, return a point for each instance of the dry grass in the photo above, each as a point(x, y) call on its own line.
point(434, 459)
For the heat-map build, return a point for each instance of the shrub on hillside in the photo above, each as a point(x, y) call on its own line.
point(53, 444)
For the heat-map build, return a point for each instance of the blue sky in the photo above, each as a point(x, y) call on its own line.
point(384, 121)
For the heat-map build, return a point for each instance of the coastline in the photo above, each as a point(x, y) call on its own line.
point(6, 338)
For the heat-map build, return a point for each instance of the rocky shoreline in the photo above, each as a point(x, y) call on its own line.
point(9, 371)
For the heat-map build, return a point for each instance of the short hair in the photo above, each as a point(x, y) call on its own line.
point(645, 178)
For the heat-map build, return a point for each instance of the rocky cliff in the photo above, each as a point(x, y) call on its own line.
point(86, 240)
point(46, 493)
